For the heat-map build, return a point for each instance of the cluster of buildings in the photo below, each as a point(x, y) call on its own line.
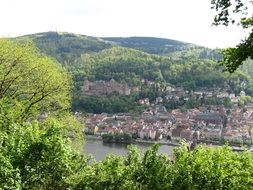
point(156, 123)
point(179, 93)
point(104, 88)
point(101, 87)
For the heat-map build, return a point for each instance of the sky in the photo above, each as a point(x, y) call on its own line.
point(183, 20)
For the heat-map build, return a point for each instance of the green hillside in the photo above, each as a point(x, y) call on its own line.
point(124, 65)
point(94, 58)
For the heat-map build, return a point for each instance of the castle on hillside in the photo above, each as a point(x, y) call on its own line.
point(100, 88)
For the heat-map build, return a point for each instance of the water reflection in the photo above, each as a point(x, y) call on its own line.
point(115, 145)
point(99, 150)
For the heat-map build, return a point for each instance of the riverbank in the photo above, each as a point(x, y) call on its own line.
point(157, 142)
point(169, 143)
point(136, 141)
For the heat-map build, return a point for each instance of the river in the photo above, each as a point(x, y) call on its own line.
point(100, 150)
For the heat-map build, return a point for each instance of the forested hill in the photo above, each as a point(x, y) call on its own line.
point(93, 58)
point(178, 63)
point(65, 47)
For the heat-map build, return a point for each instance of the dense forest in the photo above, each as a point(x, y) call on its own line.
point(97, 59)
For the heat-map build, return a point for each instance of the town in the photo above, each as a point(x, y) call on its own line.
point(213, 123)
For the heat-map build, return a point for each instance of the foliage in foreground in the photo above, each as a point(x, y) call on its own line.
point(203, 168)
point(42, 158)
point(238, 12)
point(31, 84)
point(38, 156)
point(35, 152)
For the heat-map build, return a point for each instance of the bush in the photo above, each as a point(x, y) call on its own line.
point(202, 168)
point(38, 156)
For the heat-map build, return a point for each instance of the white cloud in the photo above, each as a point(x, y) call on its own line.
point(183, 20)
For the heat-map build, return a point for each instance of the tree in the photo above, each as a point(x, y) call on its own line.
point(235, 12)
point(35, 151)
point(30, 83)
